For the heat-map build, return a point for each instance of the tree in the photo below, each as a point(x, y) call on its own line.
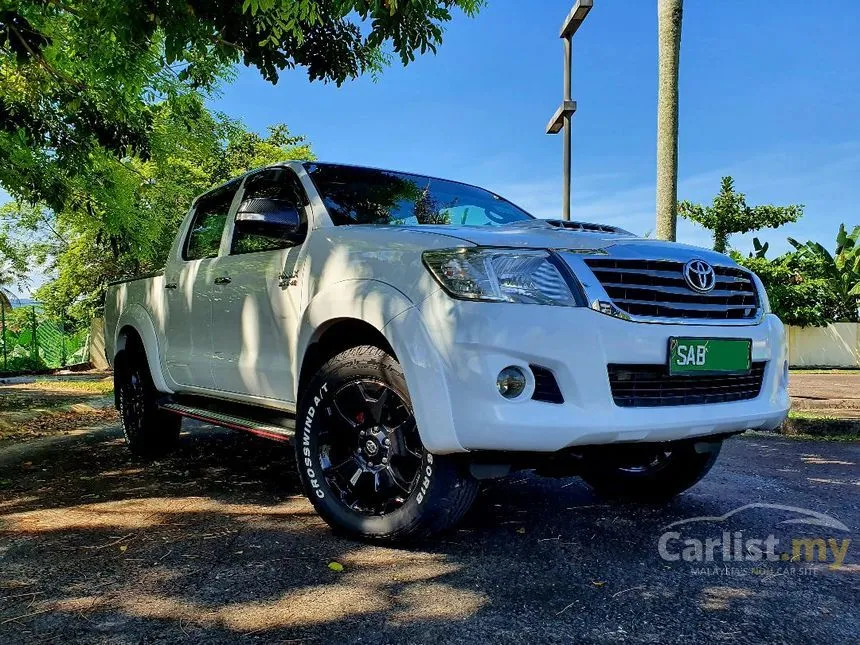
point(13, 265)
point(131, 211)
point(809, 286)
point(669, 17)
point(759, 248)
point(842, 269)
point(81, 80)
point(729, 214)
point(797, 294)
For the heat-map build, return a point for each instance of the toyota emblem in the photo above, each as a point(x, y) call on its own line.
point(700, 275)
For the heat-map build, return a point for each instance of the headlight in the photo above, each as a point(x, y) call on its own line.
point(764, 301)
point(500, 275)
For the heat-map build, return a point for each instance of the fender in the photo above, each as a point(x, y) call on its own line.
point(136, 317)
point(371, 301)
point(425, 372)
point(394, 315)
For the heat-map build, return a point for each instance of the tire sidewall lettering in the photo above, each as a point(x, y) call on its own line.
point(310, 471)
point(308, 463)
point(426, 479)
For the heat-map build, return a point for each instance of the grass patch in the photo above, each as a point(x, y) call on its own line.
point(97, 387)
point(811, 414)
point(806, 423)
point(758, 434)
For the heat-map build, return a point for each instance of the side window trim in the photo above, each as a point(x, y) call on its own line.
point(191, 221)
point(229, 227)
point(192, 218)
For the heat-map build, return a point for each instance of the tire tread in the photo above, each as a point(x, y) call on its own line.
point(460, 488)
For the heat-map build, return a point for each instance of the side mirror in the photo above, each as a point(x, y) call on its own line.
point(268, 217)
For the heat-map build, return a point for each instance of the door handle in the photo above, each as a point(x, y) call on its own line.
point(170, 285)
point(223, 279)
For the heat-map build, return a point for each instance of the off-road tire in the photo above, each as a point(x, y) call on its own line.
point(444, 492)
point(149, 432)
point(683, 468)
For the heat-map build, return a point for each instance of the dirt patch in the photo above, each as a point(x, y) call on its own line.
point(62, 421)
point(33, 424)
point(38, 407)
point(824, 391)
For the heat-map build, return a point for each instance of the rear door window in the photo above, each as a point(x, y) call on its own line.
point(210, 216)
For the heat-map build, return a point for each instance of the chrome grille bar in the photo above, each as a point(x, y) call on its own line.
point(681, 291)
point(656, 289)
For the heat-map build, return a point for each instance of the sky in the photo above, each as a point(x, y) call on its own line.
point(769, 93)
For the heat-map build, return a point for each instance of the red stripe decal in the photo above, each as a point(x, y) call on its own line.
point(256, 431)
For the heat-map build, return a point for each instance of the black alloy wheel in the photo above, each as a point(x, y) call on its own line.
point(360, 455)
point(370, 450)
point(148, 430)
point(654, 473)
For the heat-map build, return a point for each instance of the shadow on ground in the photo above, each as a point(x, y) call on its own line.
point(216, 544)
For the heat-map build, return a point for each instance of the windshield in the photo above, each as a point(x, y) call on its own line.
point(356, 195)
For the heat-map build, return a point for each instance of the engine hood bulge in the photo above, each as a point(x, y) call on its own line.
point(542, 235)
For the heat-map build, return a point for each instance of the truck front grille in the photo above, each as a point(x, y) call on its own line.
point(657, 289)
point(651, 385)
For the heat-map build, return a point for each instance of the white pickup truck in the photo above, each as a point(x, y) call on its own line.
point(414, 335)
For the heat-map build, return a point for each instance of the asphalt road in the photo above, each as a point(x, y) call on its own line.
point(215, 545)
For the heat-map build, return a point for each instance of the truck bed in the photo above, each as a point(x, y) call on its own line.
point(144, 291)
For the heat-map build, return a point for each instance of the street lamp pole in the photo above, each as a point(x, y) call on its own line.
point(561, 120)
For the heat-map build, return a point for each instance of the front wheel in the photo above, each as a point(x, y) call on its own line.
point(361, 459)
point(649, 473)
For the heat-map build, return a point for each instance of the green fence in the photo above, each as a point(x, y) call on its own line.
point(32, 340)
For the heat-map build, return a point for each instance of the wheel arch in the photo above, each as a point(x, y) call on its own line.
point(333, 337)
point(349, 310)
point(371, 312)
point(135, 325)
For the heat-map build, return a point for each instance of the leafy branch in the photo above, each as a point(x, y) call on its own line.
point(729, 213)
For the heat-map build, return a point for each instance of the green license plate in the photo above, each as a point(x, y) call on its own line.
point(709, 355)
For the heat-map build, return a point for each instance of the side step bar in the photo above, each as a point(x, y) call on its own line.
point(262, 429)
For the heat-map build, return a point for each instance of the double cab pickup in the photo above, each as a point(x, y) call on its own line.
point(412, 336)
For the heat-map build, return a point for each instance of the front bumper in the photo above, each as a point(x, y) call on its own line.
point(454, 349)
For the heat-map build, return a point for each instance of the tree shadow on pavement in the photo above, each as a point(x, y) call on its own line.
point(216, 544)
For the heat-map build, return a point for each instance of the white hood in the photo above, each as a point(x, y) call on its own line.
point(547, 234)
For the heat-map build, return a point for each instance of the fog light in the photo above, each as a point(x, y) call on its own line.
point(511, 382)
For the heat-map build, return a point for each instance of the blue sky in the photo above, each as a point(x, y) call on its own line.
point(769, 94)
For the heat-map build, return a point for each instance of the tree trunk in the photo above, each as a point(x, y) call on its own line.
point(669, 15)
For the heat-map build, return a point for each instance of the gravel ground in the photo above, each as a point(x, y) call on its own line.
point(216, 545)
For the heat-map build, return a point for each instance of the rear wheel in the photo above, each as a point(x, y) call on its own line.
point(649, 474)
point(149, 431)
point(361, 459)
